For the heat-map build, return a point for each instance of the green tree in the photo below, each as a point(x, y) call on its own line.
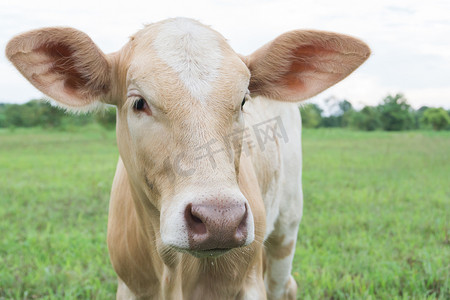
point(331, 121)
point(418, 116)
point(13, 116)
point(345, 106)
point(367, 119)
point(107, 118)
point(39, 113)
point(396, 113)
point(347, 112)
point(438, 118)
point(341, 112)
point(311, 115)
point(3, 123)
point(48, 115)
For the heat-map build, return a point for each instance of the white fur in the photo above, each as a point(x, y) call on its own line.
point(193, 51)
point(95, 106)
point(283, 199)
point(123, 292)
point(280, 272)
point(174, 230)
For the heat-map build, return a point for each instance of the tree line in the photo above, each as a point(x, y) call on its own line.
point(40, 113)
point(392, 114)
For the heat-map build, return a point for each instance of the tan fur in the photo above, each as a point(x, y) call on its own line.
point(300, 64)
point(135, 257)
point(283, 248)
point(159, 150)
point(63, 63)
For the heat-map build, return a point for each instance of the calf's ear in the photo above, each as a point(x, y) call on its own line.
point(300, 64)
point(64, 64)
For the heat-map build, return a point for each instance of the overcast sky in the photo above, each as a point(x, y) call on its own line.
point(410, 40)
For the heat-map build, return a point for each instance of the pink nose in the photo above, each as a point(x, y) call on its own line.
point(212, 226)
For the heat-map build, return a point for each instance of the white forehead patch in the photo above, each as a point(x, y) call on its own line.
point(193, 51)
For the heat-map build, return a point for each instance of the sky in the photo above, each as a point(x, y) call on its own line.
point(410, 40)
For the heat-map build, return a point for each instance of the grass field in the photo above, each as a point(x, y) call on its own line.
point(376, 219)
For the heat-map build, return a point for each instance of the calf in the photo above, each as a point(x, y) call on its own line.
point(207, 196)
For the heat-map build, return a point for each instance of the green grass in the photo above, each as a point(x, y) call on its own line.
point(376, 219)
point(54, 193)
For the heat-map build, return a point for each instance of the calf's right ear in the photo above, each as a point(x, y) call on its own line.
point(300, 64)
point(64, 64)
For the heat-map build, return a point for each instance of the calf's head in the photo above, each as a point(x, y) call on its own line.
point(180, 92)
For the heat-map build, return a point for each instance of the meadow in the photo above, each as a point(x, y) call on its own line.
point(376, 219)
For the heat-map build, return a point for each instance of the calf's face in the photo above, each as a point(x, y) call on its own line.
point(179, 90)
point(179, 131)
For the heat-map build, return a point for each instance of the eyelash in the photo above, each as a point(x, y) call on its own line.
point(246, 98)
point(139, 104)
point(243, 102)
point(142, 106)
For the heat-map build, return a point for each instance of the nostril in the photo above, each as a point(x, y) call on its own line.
point(217, 226)
point(194, 221)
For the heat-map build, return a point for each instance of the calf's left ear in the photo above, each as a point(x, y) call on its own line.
point(300, 64)
point(63, 63)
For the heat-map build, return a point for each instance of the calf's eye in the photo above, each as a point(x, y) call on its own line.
point(243, 102)
point(139, 104)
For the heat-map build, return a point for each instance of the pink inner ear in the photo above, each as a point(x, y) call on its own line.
point(302, 63)
point(63, 63)
point(310, 62)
